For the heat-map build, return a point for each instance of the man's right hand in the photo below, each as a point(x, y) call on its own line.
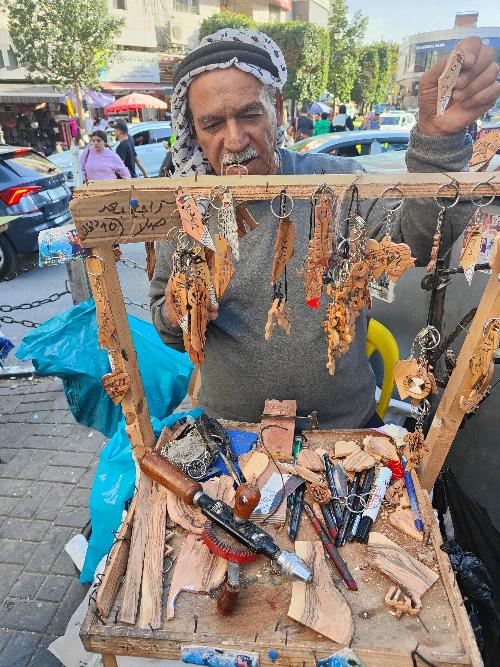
point(169, 312)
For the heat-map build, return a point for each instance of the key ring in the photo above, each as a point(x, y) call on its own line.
point(393, 188)
point(324, 190)
point(217, 193)
point(236, 166)
point(285, 214)
point(490, 200)
point(454, 184)
point(361, 500)
point(428, 338)
point(488, 324)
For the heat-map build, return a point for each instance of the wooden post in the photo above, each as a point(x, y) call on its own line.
point(449, 414)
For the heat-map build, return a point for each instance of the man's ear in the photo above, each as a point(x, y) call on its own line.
point(278, 105)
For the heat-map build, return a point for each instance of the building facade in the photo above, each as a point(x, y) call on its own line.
point(420, 52)
point(314, 11)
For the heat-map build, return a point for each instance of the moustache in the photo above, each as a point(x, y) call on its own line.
point(239, 158)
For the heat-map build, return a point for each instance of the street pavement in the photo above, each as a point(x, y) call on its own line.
point(47, 465)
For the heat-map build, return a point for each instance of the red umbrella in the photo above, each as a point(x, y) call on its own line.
point(134, 102)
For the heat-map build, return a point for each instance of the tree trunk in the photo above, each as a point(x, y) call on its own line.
point(79, 109)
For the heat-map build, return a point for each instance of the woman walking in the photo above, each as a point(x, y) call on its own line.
point(99, 162)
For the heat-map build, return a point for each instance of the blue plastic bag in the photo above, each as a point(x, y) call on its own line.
point(113, 486)
point(66, 346)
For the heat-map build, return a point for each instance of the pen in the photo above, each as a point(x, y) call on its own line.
point(296, 512)
point(373, 506)
point(365, 488)
point(348, 515)
point(331, 549)
point(412, 495)
point(329, 518)
point(335, 503)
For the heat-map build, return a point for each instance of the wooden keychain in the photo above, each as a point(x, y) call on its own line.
point(192, 218)
point(481, 366)
point(448, 79)
point(320, 244)
point(432, 265)
point(228, 224)
point(413, 376)
point(474, 234)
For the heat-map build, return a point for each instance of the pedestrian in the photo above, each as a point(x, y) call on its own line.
point(370, 122)
point(167, 166)
point(99, 162)
point(304, 127)
point(288, 140)
point(214, 87)
point(341, 122)
point(126, 149)
point(322, 126)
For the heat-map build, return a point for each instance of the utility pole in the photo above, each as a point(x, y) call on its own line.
point(77, 275)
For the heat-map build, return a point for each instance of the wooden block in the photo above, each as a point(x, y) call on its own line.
point(345, 448)
point(133, 578)
point(152, 576)
point(380, 448)
point(277, 434)
point(358, 461)
point(305, 473)
point(413, 577)
point(403, 520)
point(117, 564)
point(196, 570)
point(319, 605)
point(309, 459)
point(252, 464)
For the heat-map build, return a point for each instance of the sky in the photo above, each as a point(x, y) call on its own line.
point(393, 20)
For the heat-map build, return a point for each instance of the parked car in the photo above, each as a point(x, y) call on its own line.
point(396, 120)
point(394, 161)
point(34, 191)
point(148, 138)
point(354, 144)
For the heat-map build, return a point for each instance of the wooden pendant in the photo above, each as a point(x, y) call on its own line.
point(398, 258)
point(198, 315)
point(484, 149)
point(436, 242)
point(283, 248)
point(448, 79)
point(412, 379)
point(192, 219)
point(272, 319)
point(319, 605)
point(471, 250)
point(222, 268)
point(150, 258)
point(407, 572)
point(284, 319)
point(244, 217)
point(179, 295)
point(116, 385)
point(228, 225)
point(322, 239)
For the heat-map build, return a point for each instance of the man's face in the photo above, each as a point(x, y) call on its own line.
point(234, 119)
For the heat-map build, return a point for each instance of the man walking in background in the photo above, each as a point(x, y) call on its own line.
point(126, 149)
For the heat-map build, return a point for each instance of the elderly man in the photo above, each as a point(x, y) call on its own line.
point(227, 109)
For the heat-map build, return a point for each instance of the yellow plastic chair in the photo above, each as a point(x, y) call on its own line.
point(381, 339)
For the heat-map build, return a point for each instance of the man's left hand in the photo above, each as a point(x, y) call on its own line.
point(475, 92)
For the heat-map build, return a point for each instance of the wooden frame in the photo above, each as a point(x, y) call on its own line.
point(106, 213)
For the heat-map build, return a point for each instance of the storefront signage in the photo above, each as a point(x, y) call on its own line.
point(131, 66)
point(449, 44)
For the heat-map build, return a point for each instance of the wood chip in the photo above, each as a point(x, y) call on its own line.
point(358, 461)
point(380, 448)
point(345, 448)
point(402, 519)
point(414, 578)
point(196, 570)
point(319, 605)
point(310, 460)
point(252, 464)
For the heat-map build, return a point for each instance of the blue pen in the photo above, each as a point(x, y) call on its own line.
point(412, 496)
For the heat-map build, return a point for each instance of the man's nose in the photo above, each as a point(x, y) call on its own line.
point(235, 139)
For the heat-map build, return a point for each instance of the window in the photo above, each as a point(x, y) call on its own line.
point(160, 134)
point(141, 138)
point(191, 6)
point(119, 4)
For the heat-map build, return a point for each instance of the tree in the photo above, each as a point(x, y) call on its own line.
point(345, 44)
point(387, 59)
point(225, 20)
point(365, 88)
point(65, 43)
point(306, 51)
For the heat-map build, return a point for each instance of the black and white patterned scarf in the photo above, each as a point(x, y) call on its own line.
point(187, 154)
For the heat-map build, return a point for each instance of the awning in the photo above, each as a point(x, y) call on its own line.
point(123, 87)
point(284, 4)
point(29, 93)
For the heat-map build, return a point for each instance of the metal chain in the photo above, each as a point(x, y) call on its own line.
point(131, 263)
point(129, 302)
point(35, 304)
point(25, 323)
point(14, 274)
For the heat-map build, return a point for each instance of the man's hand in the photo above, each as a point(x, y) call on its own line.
point(169, 312)
point(476, 91)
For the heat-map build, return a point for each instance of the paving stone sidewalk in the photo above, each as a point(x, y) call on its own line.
point(47, 466)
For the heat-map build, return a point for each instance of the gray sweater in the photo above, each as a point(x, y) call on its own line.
point(241, 368)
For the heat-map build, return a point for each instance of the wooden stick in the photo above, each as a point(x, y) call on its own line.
point(133, 578)
point(117, 564)
point(121, 212)
point(449, 414)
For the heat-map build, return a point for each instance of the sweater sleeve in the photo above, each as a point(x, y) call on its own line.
point(171, 336)
point(119, 166)
point(415, 222)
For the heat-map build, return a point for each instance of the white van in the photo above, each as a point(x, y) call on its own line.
point(396, 120)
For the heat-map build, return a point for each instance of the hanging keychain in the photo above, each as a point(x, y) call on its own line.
point(192, 219)
point(320, 244)
point(436, 244)
point(413, 376)
point(228, 225)
point(482, 366)
point(474, 234)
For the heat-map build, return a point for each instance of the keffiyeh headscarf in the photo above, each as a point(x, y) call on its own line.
point(248, 50)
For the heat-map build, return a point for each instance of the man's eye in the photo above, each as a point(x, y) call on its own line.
point(211, 127)
point(252, 116)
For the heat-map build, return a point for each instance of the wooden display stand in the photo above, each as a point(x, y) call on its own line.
point(108, 213)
